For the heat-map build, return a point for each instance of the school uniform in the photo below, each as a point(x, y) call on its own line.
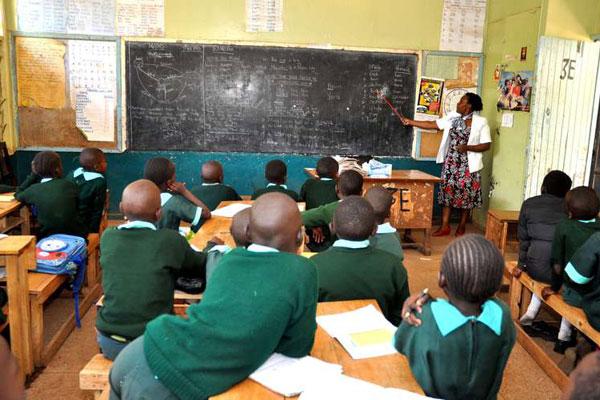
point(140, 264)
point(259, 301)
point(176, 208)
point(55, 205)
point(569, 236)
point(212, 194)
point(315, 193)
point(388, 239)
point(92, 196)
point(322, 215)
point(538, 218)
point(583, 271)
point(352, 270)
point(272, 187)
point(457, 357)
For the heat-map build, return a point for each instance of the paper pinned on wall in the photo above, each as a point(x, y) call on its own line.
point(40, 72)
point(264, 15)
point(507, 120)
point(462, 25)
point(42, 15)
point(91, 17)
point(141, 17)
point(92, 87)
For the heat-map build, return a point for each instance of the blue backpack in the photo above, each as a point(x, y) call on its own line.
point(64, 255)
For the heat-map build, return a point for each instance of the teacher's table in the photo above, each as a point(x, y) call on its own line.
point(219, 226)
point(413, 206)
point(388, 371)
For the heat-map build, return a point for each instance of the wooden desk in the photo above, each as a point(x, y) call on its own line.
point(413, 206)
point(388, 371)
point(497, 227)
point(12, 215)
point(219, 226)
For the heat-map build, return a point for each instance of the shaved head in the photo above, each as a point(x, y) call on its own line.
point(212, 172)
point(275, 222)
point(381, 200)
point(239, 228)
point(141, 201)
point(354, 219)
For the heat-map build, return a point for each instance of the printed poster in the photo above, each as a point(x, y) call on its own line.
point(515, 90)
point(430, 98)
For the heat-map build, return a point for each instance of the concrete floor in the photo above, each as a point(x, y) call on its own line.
point(523, 379)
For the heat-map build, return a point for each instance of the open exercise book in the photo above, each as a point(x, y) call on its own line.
point(363, 332)
point(230, 210)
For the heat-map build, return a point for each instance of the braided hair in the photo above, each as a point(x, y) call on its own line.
point(473, 268)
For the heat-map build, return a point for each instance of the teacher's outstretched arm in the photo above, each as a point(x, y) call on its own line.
point(419, 124)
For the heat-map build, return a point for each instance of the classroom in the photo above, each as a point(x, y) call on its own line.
point(269, 199)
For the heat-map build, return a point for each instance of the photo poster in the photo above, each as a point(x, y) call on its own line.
point(514, 90)
point(430, 99)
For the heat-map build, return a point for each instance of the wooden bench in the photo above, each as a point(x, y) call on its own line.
point(94, 376)
point(519, 301)
point(93, 272)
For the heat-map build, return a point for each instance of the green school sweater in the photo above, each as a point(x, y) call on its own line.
point(569, 235)
point(319, 216)
point(583, 270)
point(92, 196)
point(55, 205)
point(388, 239)
point(255, 304)
point(317, 192)
point(139, 268)
point(212, 194)
point(276, 188)
point(458, 357)
point(176, 208)
point(363, 273)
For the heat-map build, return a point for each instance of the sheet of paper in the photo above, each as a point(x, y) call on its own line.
point(364, 322)
point(42, 15)
point(93, 87)
point(91, 17)
point(507, 120)
point(264, 15)
point(290, 376)
point(40, 72)
point(140, 17)
point(6, 197)
point(463, 25)
point(230, 210)
point(345, 387)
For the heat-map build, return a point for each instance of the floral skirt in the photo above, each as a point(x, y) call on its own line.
point(460, 188)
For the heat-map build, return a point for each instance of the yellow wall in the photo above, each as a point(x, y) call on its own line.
point(572, 19)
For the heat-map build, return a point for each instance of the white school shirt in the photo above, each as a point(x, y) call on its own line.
point(480, 133)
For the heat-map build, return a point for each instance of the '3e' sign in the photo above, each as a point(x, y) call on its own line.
point(568, 69)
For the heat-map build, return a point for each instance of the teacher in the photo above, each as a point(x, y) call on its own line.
point(466, 136)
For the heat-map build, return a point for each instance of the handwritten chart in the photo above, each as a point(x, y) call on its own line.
point(462, 25)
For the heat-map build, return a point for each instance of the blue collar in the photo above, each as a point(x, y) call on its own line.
point(274, 184)
point(448, 318)
point(325, 179)
point(259, 248)
point(211, 184)
point(386, 228)
point(587, 221)
point(87, 175)
point(221, 248)
point(44, 180)
point(351, 244)
point(164, 197)
point(138, 225)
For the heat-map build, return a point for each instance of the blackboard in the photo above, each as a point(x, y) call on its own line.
point(185, 96)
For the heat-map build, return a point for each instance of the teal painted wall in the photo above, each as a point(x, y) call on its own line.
point(243, 171)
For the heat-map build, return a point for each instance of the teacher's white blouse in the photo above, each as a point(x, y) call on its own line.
point(480, 133)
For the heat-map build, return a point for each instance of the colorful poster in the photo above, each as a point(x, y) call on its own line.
point(40, 72)
point(515, 90)
point(430, 96)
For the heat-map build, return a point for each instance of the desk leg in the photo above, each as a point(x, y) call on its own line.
point(25, 218)
point(37, 331)
point(427, 242)
point(503, 238)
point(516, 292)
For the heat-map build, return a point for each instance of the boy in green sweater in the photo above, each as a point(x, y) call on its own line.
point(276, 175)
point(54, 201)
point(458, 348)
point(386, 238)
point(260, 300)
point(140, 264)
point(177, 202)
point(213, 191)
point(317, 192)
point(92, 187)
point(570, 234)
point(352, 269)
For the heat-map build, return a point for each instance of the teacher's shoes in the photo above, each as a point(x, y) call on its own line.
point(442, 232)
